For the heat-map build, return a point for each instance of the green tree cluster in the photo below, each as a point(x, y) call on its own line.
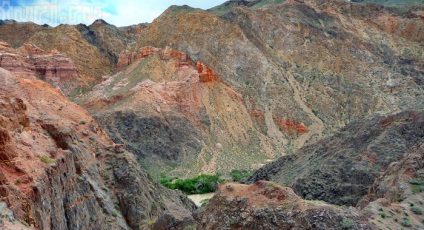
point(197, 185)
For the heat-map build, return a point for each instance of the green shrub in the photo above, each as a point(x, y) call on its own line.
point(114, 213)
point(406, 222)
point(47, 160)
point(18, 182)
point(417, 184)
point(382, 214)
point(417, 210)
point(197, 185)
point(238, 175)
point(346, 223)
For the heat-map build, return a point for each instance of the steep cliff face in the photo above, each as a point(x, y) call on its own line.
point(94, 49)
point(91, 64)
point(32, 62)
point(342, 169)
point(177, 115)
point(59, 169)
point(319, 64)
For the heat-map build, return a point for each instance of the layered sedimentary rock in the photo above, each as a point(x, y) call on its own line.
point(318, 64)
point(59, 169)
point(32, 62)
point(176, 114)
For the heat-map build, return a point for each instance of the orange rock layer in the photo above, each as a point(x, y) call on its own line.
point(290, 127)
point(205, 73)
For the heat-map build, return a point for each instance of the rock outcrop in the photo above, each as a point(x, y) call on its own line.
point(176, 114)
point(109, 39)
point(32, 62)
point(58, 169)
point(342, 169)
point(265, 205)
point(322, 64)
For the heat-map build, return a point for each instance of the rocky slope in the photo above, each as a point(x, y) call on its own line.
point(34, 63)
point(59, 169)
point(375, 164)
point(316, 68)
point(265, 205)
point(17, 33)
point(94, 49)
point(319, 63)
point(176, 115)
point(66, 39)
point(341, 169)
point(109, 39)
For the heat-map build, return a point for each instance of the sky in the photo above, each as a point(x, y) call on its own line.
point(119, 13)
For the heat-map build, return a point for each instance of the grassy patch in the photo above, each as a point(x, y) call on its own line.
point(417, 184)
point(47, 160)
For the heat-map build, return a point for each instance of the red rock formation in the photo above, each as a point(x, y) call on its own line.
point(205, 73)
point(290, 127)
point(32, 62)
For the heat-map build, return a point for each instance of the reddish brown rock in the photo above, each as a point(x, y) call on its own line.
point(290, 127)
point(205, 73)
point(266, 205)
point(33, 62)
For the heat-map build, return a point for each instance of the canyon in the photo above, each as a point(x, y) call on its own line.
point(323, 100)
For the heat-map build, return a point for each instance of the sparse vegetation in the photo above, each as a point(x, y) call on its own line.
point(18, 182)
point(24, 223)
point(83, 122)
point(417, 210)
point(197, 185)
point(417, 184)
point(47, 160)
point(406, 222)
point(346, 223)
point(382, 214)
point(114, 213)
point(238, 175)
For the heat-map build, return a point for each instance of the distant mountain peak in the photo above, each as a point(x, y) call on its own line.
point(100, 21)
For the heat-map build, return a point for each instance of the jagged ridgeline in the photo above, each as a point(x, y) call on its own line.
point(325, 97)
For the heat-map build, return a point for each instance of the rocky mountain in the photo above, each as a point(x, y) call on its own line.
point(94, 49)
point(319, 66)
point(265, 205)
point(169, 110)
point(17, 33)
point(340, 169)
point(109, 39)
point(60, 170)
point(330, 92)
point(369, 164)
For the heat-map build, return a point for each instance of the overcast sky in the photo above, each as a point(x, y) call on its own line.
point(119, 13)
